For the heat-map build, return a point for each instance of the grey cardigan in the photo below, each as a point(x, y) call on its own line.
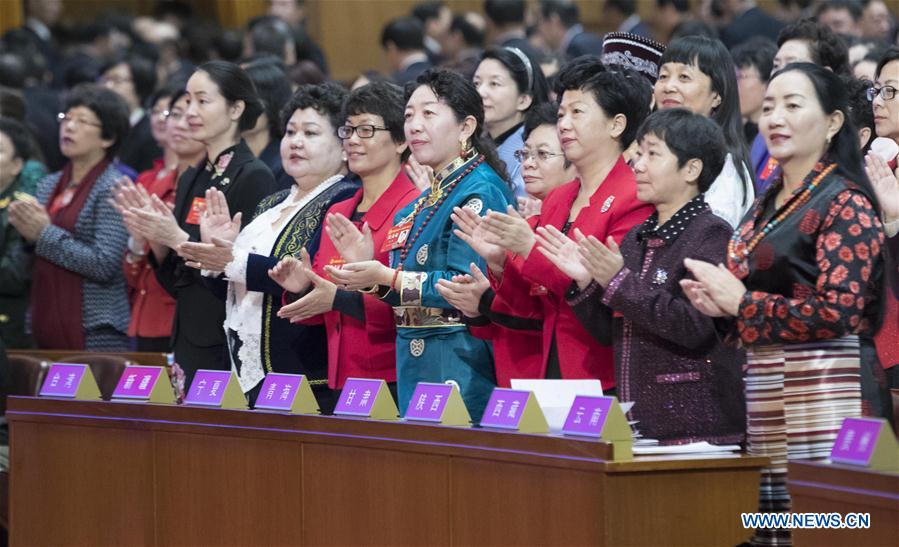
point(95, 251)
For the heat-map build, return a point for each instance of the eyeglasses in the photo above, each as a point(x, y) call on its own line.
point(160, 113)
point(887, 92)
point(63, 117)
point(174, 115)
point(542, 156)
point(364, 131)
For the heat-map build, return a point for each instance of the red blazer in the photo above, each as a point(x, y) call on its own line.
point(536, 287)
point(357, 349)
point(152, 308)
point(517, 353)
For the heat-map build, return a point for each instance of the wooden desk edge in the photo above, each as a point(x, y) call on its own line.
point(342, 430)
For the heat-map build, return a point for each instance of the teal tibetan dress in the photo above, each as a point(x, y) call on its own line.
point(432, 344)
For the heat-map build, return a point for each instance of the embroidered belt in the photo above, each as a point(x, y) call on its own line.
point(418, 318)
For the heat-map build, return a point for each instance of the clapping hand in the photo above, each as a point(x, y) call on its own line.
point(563, 253)
point(28, 217)
point(464, 292)
point(603, 262)
point(214, 256)
point(886, 185)
point(353, 245)
point(361, 275)
point(290, 273)
point(470, 229)
point(155, 223)
point(421, 175)
point(319, 300)
point(717, 292)
point(529, 206)
point(127, 195)
point(510, 230)
point(216, 220)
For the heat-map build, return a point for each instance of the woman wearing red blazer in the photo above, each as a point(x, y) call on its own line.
point(599, 114)
point(360, 327)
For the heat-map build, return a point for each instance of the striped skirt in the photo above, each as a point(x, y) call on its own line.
point(797, 396)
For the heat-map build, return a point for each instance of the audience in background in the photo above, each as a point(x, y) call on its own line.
point(840, 16)
point(754, 60)
point(561, 30)
point(19, 175)
point(404, 51)
point(462, 46)
point(622, 16)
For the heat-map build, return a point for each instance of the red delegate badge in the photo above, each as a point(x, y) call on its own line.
point(197, 208)
point(396, 237)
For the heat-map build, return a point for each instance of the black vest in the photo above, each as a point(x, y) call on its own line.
point(785, 261)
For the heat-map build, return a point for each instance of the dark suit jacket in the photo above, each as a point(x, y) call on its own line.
point(523, 45)
point(411, 72)
point(752, 22)
point(139, 148)
point(199, 313)
point(584, 43)
point(892, 263)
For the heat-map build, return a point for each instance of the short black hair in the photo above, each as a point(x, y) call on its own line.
point(13, 71)
point(544, 114)
point(273, 89)
point(759, 52)
point(618, 91)
point(235, 85)
point(505, 12)
point(566, 10)
point(693, 27)
point(682, 6)
point(167, 91)
point(19, 136)
point(473, 36)
point(143, 73)
point(859, 106)
point(269, 35)
point(689, 136)
point(110, 109)
point(326, 99)
point(627, 7)
point(12, 103)
point(827, 49)
point(852, 6)
point(406, 33)
point(890, 55)
point(425, 11)
point(383, 99)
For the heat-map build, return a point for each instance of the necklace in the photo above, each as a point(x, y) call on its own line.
point(739, 250)
point(437, 189)
point(421, 204)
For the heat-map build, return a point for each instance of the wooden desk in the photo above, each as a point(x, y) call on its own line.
point(819, 487)
point(119, 473)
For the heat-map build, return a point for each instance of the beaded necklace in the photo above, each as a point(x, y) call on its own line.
point(446, 190)
point(738, 250)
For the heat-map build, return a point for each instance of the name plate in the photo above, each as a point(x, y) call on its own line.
point(140, 383)
point(287, 393)
point(866, 442)
point(216, 388)
point(366, 398)
point(70, 381)
point(514, 409)
point(601, 418)
point(438, 403)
